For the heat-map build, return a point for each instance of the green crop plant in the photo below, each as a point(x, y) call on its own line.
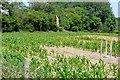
point(16, 46)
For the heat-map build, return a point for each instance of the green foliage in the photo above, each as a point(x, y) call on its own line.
point(95, 23)
point(29, 27)
point(10, 23)
point(52, 22)
point(60, 28)
point(74, 28)
point(17, 45)
point(86, 16)
point(5, 24)
point(111, 23)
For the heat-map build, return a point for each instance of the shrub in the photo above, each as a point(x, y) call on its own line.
point(60, 28)
point(29, 27)
point(74, 28)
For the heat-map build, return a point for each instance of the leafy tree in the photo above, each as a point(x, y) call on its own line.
point(110, 23)
point(95, 23)
point(52, 22)
point(73, 16)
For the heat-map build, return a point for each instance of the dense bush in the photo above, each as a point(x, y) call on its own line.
point(29, 27)
point(74, 28)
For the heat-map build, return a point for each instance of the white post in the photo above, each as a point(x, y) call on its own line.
point(57, 22)
point(106, 48)
point(115, 52)
point(110, 48)
point(101, 47)
point(26, 68)
point(0, 70)
point(1, 57)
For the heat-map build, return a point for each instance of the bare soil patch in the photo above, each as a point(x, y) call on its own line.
point(73, 52)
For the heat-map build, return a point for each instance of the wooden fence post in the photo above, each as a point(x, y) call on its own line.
point(106, 47)
point(111, 48)
point(101, 47)
point(1, 57)
point(0, 71)
point(26, 68)
point(115, 52)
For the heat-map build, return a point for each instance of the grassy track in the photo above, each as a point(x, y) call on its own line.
point(17, 45)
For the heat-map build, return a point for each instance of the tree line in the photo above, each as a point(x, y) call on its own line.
point(73, 16)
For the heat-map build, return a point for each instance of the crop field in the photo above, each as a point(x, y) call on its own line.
point(17, 46)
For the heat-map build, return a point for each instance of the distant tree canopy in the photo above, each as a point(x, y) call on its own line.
point(73, 16)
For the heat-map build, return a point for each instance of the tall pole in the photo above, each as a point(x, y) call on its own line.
point(101, 42)
point(57, 21)
point(106, 48)
point(110, 48)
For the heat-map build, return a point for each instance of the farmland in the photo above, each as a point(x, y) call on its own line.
point(51, 64)
point(58, 40)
